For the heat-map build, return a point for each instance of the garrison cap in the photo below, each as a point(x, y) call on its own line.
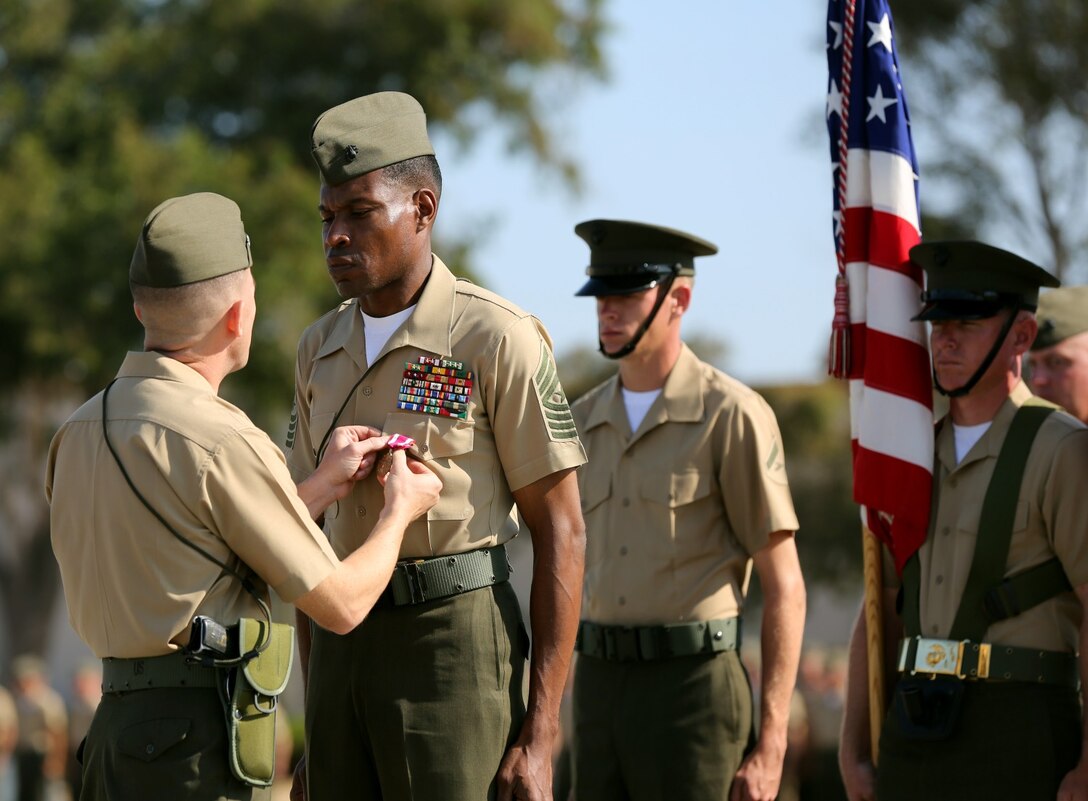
point(627, 257)
point(368, 133)
point(189, 239)
point(973, 281)
point(1062, 313)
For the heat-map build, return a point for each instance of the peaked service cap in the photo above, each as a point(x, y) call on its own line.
point(972, 281)
point(627, 257)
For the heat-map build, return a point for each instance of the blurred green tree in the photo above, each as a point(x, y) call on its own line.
point(815, 424)
point(1000, 88)
point(107, 107)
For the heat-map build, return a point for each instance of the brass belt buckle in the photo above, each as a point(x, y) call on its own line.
point(938, 657)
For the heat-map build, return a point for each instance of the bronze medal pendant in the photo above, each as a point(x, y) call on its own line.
point(397, 442)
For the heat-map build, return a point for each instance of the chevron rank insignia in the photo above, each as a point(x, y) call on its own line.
point(553, 401)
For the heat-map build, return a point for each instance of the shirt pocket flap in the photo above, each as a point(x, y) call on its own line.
point(596, 488)
point(149, 740)
point(679, 489)
point(436, 437)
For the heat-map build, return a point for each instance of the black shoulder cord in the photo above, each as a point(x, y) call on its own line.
point(246, 584)
point(320, 452)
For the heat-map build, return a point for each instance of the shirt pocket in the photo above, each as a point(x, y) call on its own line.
point(596, 487)
point(441, 443)
point(319, 425)
point(680, 490)
point(676, 513)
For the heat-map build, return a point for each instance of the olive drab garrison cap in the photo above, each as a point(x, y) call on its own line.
point(973, 281)
point(1062, 313)
point(368, 133)
point(627, 257)
point(189, 239)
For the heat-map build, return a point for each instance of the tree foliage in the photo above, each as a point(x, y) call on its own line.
point(108, 107)
point(1000, 88)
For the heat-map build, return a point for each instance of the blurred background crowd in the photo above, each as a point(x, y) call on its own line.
point(45, 713)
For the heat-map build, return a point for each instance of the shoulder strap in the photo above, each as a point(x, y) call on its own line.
point(247, 585)
point(996, 522)
point(986, 597)
point(908, 601)
point(910, 597)
point(1026, 589)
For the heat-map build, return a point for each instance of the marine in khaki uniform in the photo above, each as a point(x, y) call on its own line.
point(427, 695)
point(216, 488)
point(43, 728)
point(1059, 355)
point(986, 701)
point(685, 490)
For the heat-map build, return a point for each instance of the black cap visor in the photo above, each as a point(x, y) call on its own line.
point(625, 279)
point(962, 304)
point(616, 285)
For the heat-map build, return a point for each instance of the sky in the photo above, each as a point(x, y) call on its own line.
point(711, 121)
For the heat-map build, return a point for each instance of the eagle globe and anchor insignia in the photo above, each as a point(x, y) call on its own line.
point(947, 658)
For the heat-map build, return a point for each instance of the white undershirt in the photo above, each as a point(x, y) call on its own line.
point(637, 404)
point(379, 329)
point(967, 436)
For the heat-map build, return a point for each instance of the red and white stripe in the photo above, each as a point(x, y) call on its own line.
point(890, 392)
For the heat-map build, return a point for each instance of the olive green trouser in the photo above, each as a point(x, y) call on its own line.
point(419, 703)
point(671, 729)
point(160, 744)
point(1013, 741)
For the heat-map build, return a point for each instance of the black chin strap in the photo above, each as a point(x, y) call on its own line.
point(663, 291)
point(974, 379)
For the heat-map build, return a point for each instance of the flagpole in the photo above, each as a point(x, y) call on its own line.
point(876, 223)
point(874, 630)
point(840, 357)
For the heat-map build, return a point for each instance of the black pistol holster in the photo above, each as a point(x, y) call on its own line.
point(928, 708)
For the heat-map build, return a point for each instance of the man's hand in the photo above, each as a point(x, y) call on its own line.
point(759, 777)
point(410, 488)
point(859, 779)
point(350, 455)
point(1074, 786)
point(525, 774)
point(298, 781)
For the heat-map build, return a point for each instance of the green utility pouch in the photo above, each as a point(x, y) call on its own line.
point(253, 691)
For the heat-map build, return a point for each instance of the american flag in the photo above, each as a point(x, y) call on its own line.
point(875, 225)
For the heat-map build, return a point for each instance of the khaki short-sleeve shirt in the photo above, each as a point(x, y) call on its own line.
point(218, 480)
point(675, 510)
point(504, 426)
point(1051, 520)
